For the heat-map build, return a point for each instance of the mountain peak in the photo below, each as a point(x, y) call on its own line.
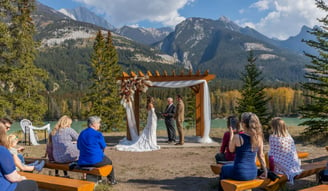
point(224, 19)
point(85, 15)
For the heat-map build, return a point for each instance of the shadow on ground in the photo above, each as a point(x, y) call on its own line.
point(179, 184)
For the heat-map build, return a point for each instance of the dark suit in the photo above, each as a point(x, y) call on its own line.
point(169, 122)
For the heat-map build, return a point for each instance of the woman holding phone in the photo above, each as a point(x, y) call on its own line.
point(225, 154)
point(247, 146)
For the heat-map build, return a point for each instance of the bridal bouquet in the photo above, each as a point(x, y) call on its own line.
point(131, 85)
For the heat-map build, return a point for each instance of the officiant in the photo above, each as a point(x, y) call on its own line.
point(169, 120)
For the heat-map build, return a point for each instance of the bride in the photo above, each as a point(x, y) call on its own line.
point(147, 140)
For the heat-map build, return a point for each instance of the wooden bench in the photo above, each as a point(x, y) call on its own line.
point(98, 171)
point(216, 168)
point(308, 170)
point(59, 183)
point(301, 155)
point(321, 187)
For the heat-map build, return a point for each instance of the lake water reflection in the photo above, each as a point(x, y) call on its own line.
point(215, 123)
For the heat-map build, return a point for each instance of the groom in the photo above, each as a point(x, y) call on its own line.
point(169, 120)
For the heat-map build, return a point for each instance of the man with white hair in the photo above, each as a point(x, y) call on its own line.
point(91, 144)
point(169, 120)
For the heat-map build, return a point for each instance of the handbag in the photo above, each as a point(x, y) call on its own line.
point(271, 175)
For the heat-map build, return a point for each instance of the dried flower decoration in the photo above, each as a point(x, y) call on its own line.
point(131, 85)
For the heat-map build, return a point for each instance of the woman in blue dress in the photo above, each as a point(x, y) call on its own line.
point(246, 146)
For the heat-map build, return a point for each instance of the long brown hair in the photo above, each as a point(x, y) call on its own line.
point(150, 100)
point(3, 135)
point(254, 128)
point(63, 122)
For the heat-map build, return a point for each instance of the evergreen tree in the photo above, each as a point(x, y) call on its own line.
point(23, 86)
point(6, 54)
point(190, 109)
point(104, 90)
point(252, 93)
point(315, 89)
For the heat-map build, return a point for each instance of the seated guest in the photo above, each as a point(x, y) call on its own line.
point(91, 144)
point(283, 150)
point(49, 154)
point(12, 141)
point(246, 146)
point(10, 180)
point(225, 154)
point(63, 139)
point(8, 122)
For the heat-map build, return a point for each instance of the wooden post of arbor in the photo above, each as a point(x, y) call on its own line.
point(198, 90)
point(200, 121)
point(136, 105)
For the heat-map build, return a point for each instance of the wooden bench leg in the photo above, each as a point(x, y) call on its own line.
point(277, 186)
point(94, 178)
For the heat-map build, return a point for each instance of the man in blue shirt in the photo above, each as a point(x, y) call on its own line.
point(91, 144)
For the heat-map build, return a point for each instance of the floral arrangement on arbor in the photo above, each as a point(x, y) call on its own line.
point(131, 85)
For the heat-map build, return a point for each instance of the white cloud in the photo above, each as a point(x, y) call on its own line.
point(261, 5)
point(128, 12)
point(285, 17)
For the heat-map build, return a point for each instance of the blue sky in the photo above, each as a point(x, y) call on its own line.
point(273, 18)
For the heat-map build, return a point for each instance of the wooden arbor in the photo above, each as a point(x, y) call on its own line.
point(197, 89)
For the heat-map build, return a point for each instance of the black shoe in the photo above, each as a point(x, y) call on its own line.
point(113, 182)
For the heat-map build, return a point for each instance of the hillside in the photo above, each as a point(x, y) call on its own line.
point(66, 46)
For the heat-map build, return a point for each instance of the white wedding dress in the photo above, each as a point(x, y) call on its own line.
point(147, 141)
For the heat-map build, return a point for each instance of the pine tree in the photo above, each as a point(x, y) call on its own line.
point(23, 86)
point(253, 96)
point(104, 90)
point(315, 89)
point(6, 54)
point(190, 110)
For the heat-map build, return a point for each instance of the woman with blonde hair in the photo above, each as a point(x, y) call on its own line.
point(64, 139)
point(10, 180)
point(283, 150)
point(246, 146)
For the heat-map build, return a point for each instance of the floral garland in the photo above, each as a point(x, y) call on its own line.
point(131, 85)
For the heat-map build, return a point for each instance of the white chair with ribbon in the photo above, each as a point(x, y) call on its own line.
point(28, 130)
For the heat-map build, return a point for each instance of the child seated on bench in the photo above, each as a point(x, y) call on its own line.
point(283, 151)
point(20, 163)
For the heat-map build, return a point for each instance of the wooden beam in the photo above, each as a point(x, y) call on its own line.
point(149, 73)
point(141, 74)
point(125, 75)
point(133, 74)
